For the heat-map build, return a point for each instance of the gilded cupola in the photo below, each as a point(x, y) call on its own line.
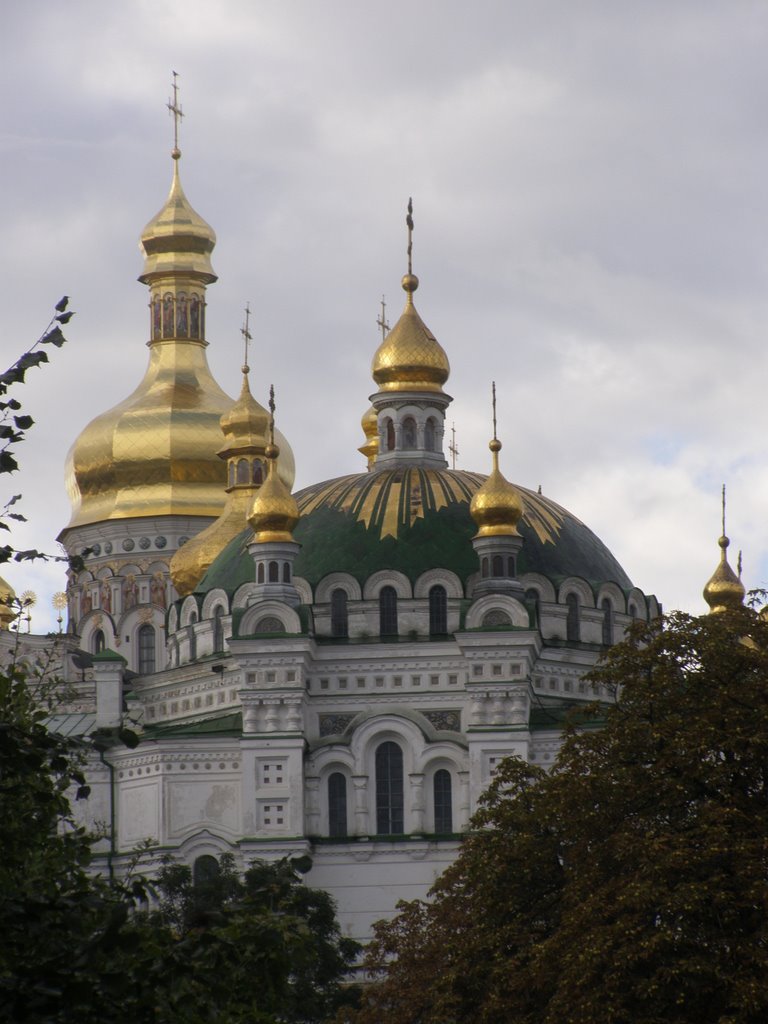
point(155, 453)
point(497, 505)
point(8, 613)
point(370, 425)
point(410, 358)
point(724, 590)
point(274, 511)
point(246, 433)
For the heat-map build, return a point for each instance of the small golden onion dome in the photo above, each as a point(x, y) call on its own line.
point(246, 427)
point(370, 425)
point(177, 240)
point(410, 358)
point(497, 505)
point(724, 590)
point(274, 512)
point(7, 611)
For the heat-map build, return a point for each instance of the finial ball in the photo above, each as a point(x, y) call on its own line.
point(271, 451)
point(410, 283)
point(175, 153)
point(495, 445)
point(723, 542)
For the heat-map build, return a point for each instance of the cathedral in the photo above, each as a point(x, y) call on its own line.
point(334, 672)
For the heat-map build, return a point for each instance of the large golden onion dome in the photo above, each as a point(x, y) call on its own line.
point(497, 505)
point(246, 432)
point(410, 358)
point(155, 453)
point(724, 590)
point(8, 613)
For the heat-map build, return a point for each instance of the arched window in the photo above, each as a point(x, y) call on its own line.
point(195, 317)
point(258, 472)
point(98, 642)
point(231, 475)
point(339, 615)
point(438, 611)
point(192, 639)
point(498, 566)
point(511, 567)
point(485, 568)
point(573, 620)
point(274, 572)
point(243, 471)
point(390, 819)
point(607, 608)
point(286, 572)
point(532, 600)
point(218, 629)
point(429, 435)
point(205, 869)
point(443, 802)
point(157, 318)
point(269, 624)
point(168, 315)
point(388, 611)
point(146, 639)
point(496, 617)
point(633, 610)
point(181, 315)
point(409, 433)
point(260, 573)
point(337, 804)
point(389, 427)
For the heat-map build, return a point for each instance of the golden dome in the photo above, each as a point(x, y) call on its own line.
point(370, 425)
point(245, 428)
point(410, 358)
point(177, 240)
point(497, 505)
point(7, 611)
point(724, 590)
point(274, 512)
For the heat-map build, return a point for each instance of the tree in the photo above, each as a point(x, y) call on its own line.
point(630, 885)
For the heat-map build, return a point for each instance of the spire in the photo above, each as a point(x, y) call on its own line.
point(174, 109)
point(274, 512)
point(724, 590)
point(497, 506)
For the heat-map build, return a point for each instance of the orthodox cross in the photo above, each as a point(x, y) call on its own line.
point(493, 394)
point(409, 222)
point(723, 508)
point(246, 336)
point(382, 320)
point(174, 108)
point(272, 414)
point(452, 446)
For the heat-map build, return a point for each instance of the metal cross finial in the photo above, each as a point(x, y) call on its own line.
point(382, 319)
point(247, 338)
point(452, 446)
point(174, 108)
point(738, 565)
point(271, 413)
point(493, 393)
point(723, 501)
point(409, 222)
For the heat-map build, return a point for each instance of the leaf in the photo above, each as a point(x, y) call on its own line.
point(62, 304)
point(23, 422)
point(64, 318)
point(54, 337)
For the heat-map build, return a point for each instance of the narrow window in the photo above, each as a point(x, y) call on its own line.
point(194, 317)
point(429, 435)
point(258, 472)
point(231, 474)
point(484, 571)
point(339, 614)
point(390, 429)
point(243, 471)
point(192, 637)
point(572, 622)
point(98, 641)
point(146, 637)
point(218, 629)
point(511, 567)
point(274, 572)
point(438, 611)
point(181, 316)
point(389, 790)
point(286, 572)
point(409, 433)
point(337, 804)
point(205, 869)
point(607, 608)
point(443, 802)
point(388, 611)
point(168, 315)
point(532, 600)
point(498, 566)
point(260, 573)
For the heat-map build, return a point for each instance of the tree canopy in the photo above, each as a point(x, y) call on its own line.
point(628, 886)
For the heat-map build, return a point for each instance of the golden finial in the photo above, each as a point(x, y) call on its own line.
point(409, 222)
point(497, 506)
point(493, 403)
point(174, 109)
point(452, 446)
point(382, 319)
point(724, 589)
point(271, 422)
point(274, 512)
point(247, 337)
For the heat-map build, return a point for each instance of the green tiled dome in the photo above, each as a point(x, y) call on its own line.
point(412, 520)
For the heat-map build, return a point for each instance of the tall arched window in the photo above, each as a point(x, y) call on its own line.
point(498, 566)
point(607, 608)
point(337, 804)
point(429, 435)
point(532, 599)
point(258, 472)
point(218, 629)
point(243, 471)
point(443, 801)
point(286, 572)
point(260, 573)
point(390, 818)
point(409, 433)
point(205, 869)
point(388, 611)
point(389, 427)
point(438, 611)
point(192, 637)
point(573, 620)
point(274, 572)
point(146, 640)
point(339, 616)
point(98, 642)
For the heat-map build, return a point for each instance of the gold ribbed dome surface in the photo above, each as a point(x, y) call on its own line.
point(246, 424)
point(7, 612)
point(410, 358)
point(724, 590)
point(497, 505)
point(274, 511)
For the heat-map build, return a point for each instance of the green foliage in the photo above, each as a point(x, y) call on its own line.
point(630, 886)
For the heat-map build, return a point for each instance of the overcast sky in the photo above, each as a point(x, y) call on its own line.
point(591, 207)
